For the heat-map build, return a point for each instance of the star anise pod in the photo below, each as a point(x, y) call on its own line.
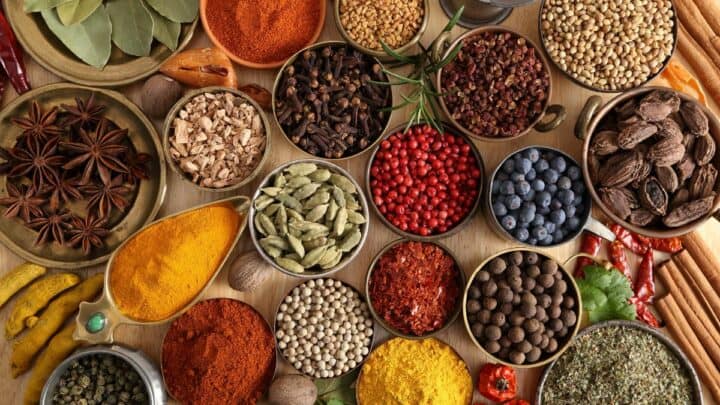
point(98, 150)
point(38, 125)
point(87, 232)
point(37, 160)
point(6, 166)
point(22, 200)
point(137, 167)
point(63, 189)
point(102, 197)
point(51, 226)
point(85, 113)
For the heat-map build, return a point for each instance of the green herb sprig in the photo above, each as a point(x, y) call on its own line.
point(605, 294)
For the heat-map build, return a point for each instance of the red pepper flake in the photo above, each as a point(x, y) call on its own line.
point(618, 258)
point(591, 245)
point(414, 287)
point(645, 283)
point(629, 240)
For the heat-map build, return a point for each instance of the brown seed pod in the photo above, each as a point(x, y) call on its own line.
point(695, 118)
point(689, 212)
point(704, 150)
point(702, 183)
point(652, 196)
point(657, 105)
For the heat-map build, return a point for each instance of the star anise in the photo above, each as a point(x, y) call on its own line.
point(51, 226)
point(37, 160)
point(87, 232)
point(38, 125)
point(103, 197)
point(85, 113)
point(63, 189)
point(98, 150)
point(6, 166)
point(23, 201)
point(137, 167)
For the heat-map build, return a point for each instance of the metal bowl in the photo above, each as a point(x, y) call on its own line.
point(695, 381)
point(138, 360)
point(567, 74)
point(278, 79)
point(558, 111)
point(364, 228)
point(573, 290)
point(458, 227)
point(380, 53)
point(458, 304)
point(589, 121)
point(168, 128)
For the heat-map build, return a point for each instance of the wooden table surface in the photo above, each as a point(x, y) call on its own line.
point(472, 245)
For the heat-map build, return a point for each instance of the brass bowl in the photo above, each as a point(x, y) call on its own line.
point(558, 111)
point(573, 290)
point(458, 304)
point(149, 195)
point(588, 122)
point(50, 53)
point(460, 225)
point(168, 128)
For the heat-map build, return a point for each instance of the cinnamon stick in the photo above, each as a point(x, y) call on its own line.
point(690, 345)
point(678, 285)
point(707, 72)
point(690, 268)
point(710, 9)
point(696, 24)
point(705, 258)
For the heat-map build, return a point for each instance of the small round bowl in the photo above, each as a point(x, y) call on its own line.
point(148, 372)
point(459, 226)
point(380, 53)
point(254, 65)
point(573, 291)
point(168, 128)
point(276, 87)
point(458, 304)
point(364, 228)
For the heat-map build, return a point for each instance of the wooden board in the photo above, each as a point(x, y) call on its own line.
point(475, 243)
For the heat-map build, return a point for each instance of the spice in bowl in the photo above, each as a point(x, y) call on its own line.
point(368, 22)
point(327, 104)
point(497, 86)
point(414, 287)
point(217, 139)
point(538, 197)
point(102, 378)
point(406, 371)
point(609, 46)
point(521, 307)
point(618, 364)
point(324, 328)
point(221, 351)
point(425, 182)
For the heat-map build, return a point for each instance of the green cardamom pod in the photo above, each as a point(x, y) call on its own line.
point(290, 264)
point(301, 169)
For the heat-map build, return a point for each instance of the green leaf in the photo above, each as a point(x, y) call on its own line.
point(449, 58)
point(455, 18)
point(181, 11)
point(77, 11)
point(605, 294)
point(89, 40)
point(401, 78)
point(32, 6)
point(337, 391)
point(393, 54)
point(165, 31)
point(132, 26)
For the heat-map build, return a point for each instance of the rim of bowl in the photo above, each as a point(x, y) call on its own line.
point(541, 55)
point(281, 73)
point(362, 299)
point(256, 65)
point(168, 126)
point(571, 283)
point(458, 304)
point(470, 214)
point(600, 90)
point(495, 222)
point(380, 53)
point(350, 256)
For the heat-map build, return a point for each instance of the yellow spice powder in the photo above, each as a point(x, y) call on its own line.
point(163, 268)
point(418, 372)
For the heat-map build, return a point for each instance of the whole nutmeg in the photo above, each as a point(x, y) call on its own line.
point(159, 94)
point(248, 272)
point(293, 389)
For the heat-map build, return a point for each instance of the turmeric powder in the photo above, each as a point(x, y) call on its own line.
point(164, 267)
point(419, 372)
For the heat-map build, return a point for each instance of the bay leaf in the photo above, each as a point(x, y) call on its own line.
point(32, 6)
point(164, 30)
point(182, 11)
point(132, 26)
point(89, 40)
point(77, 11)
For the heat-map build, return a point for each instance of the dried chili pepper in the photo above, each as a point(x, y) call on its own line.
point(516, 402)
point(497, 382)
point(591, 245)
point(645, 283)
point(668, 245)
point(644, 314)
point(628, 239)
point(618, 258)
point(11, 57)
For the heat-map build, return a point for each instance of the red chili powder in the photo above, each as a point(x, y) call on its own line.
point(414, 287)
point(219, 352)
point(263, 31)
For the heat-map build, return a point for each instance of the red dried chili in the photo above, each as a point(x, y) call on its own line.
point(497, 382)
point(643, 312)
point(414, 287)
point(645, 283)
point(628, 239)
point(11, 57)
point(618, 258)
point(591, 245)
point(667, 245)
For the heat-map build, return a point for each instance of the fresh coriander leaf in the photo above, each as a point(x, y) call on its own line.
point(605, 294)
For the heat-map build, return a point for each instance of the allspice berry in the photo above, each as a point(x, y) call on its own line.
point(159, 94)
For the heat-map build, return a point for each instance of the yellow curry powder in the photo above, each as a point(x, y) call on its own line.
point(418, 372)
point(164, 267)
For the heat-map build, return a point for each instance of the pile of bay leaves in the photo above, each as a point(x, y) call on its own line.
point(88, 28)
